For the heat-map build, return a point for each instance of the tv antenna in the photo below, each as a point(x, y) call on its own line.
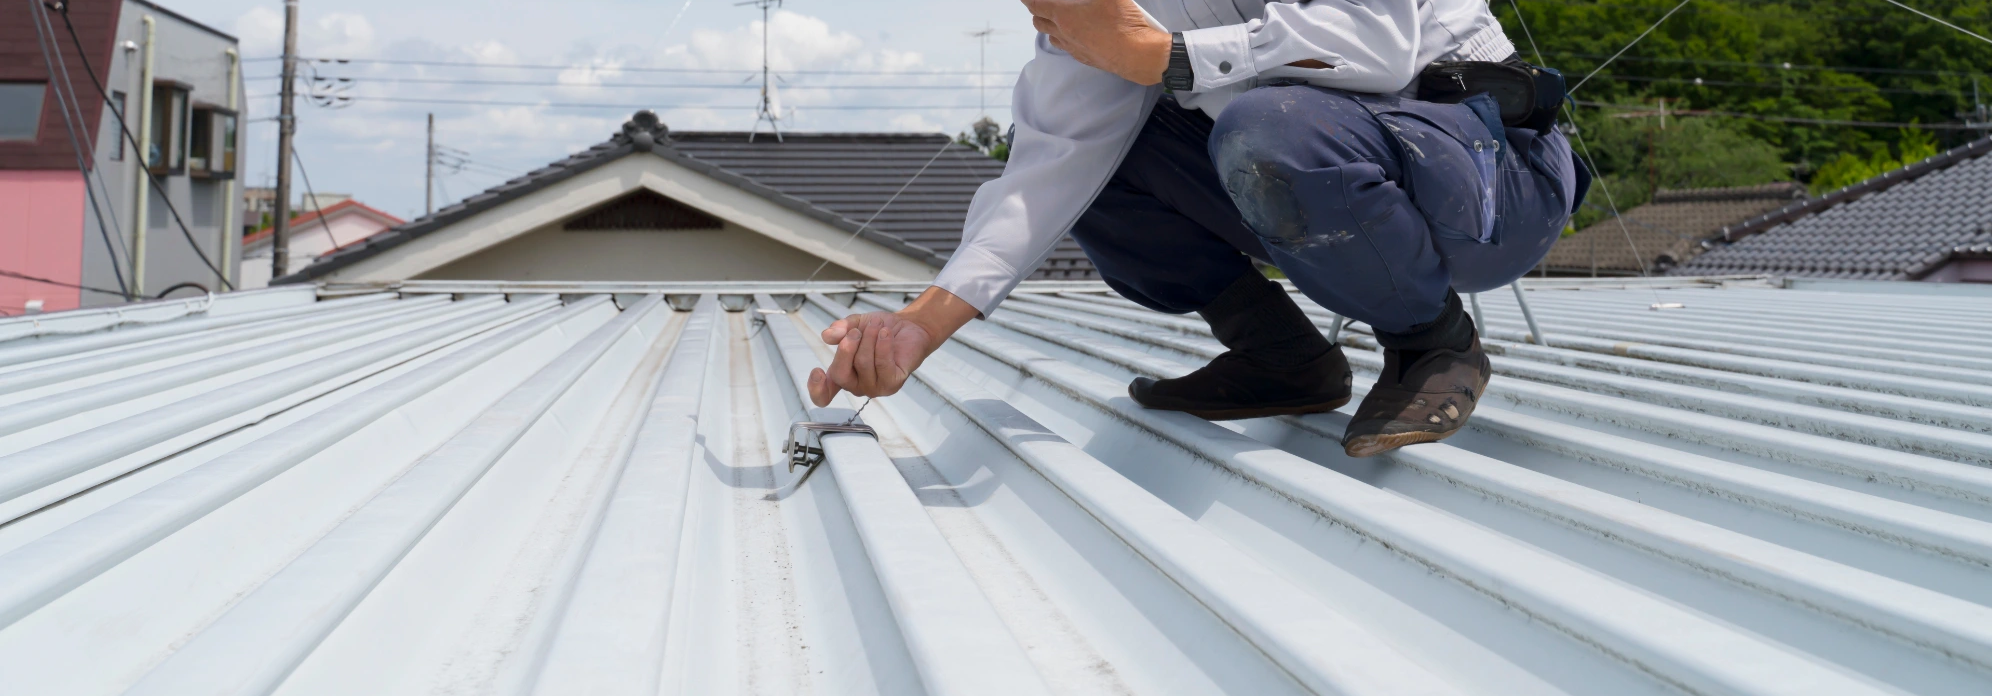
point(767, 111)
point(981, 65)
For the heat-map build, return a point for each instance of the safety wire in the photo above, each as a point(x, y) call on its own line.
point(881, 209)
point(1592, 162)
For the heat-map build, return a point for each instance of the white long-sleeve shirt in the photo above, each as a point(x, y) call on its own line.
point(1074, 123)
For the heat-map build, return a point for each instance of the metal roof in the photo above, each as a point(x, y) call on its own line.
point(578, 488)
point(842, 179)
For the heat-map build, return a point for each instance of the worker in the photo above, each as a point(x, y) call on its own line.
point(1180, 142)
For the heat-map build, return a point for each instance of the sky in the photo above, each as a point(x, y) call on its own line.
point(842, 65)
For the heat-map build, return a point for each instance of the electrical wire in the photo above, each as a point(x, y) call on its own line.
point(315, 206)
point(125, 129)
point(37, 279)
point(589, 105)
point(704, 71)
point(65, 105)
point(881, 209)
point(622, 85)
point(1700, 82)
point(1798, 119)
point(1776, 66)
point(1628, 47)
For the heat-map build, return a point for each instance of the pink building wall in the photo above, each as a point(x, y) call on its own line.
point(41, 234)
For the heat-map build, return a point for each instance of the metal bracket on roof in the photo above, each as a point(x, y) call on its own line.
point(802, 453)
point(760, 319)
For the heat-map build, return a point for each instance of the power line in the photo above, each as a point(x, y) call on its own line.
point(1777, 66)
point(579, 105)
point(139, 152)
point(58, 283)
point(1699, 82)
point(704, 71)
point(1798, 119)
point(622, 85)
point(65, 103)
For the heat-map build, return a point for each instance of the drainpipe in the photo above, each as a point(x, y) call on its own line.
point(229, 199)
point(144, 149)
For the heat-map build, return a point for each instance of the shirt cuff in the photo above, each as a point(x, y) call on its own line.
point(1220, 55)
point(978, 278)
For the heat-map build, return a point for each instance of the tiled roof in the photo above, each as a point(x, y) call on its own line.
point(547, 488)
point(329, 212)
point(1897, 226)
point(842, 179)
point(1668, 231)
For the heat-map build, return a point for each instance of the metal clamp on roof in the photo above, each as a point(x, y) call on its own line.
point(801, 452)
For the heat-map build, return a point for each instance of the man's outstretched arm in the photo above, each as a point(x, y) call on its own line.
point(877, 351)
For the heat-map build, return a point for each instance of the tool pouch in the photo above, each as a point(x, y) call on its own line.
point(1529, 95)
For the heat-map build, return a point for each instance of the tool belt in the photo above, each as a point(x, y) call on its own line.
point(1529, 95)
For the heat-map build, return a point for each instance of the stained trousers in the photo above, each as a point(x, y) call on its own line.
point(1374, 206)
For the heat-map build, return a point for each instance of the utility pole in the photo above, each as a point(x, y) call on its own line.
point(767, 109)
point(429, 181)
point(286, 129)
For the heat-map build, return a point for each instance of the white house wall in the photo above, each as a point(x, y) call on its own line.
point(561, 201)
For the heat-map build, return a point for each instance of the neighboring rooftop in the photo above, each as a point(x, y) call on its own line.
point(1902, 225)
point(468, 487)
point(1668, 231)
point(844, 179)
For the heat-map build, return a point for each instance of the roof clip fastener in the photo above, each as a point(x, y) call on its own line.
point(807, 450)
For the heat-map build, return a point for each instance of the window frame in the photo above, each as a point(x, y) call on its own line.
point(116, 123)
point(173, 101)
point(216, 158)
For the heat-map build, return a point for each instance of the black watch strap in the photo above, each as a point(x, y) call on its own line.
point(1179, 76)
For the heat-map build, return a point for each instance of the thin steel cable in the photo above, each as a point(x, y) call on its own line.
point(65, 104)
point(1933, 18)
point(1635, 42)
point(125, 129)
point(874, 216)
point(1525, 30)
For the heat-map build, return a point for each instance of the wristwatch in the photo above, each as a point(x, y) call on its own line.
point(1178, 77)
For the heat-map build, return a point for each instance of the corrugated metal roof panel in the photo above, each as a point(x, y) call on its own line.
point(579, 488)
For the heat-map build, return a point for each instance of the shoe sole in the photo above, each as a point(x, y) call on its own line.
point(1371, 445)
point(1269, 411)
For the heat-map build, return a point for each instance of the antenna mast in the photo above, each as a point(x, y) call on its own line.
point(767, 108)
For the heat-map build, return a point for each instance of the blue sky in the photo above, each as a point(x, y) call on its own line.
point(886, 53)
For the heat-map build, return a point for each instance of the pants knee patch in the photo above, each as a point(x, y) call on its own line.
point(1260, 186)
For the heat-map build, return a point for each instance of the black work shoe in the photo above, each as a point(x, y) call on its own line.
point(1236, 386)
point(1425, 401)
point(1278, 363)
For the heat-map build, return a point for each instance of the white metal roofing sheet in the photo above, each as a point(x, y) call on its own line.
point(575, 488)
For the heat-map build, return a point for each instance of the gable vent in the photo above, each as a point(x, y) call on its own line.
point(643, 210)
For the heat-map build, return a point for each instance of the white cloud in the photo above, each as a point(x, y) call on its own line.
point(795, 41)
point(336, 35)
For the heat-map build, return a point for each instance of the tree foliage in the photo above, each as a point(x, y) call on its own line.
point(1841, 60)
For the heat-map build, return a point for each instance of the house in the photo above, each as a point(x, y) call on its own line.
point(1929, 221)
point(315, 233)
point(1668, 230)
point(102, 224)
point(651, 204)
point(511, 487)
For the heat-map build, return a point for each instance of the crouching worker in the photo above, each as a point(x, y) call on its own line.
point(1386, 155)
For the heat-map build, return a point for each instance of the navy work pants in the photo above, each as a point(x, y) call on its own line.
point(1373, 205)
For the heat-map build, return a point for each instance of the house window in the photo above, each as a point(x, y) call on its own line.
point(20, 109)
point(114, 125)
point(167, 153)
point(211, 143)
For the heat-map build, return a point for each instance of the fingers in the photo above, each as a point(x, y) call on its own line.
point(821, 389)
point(835, 334)
point(841, 374)
point(886, 372)
point(865, 361)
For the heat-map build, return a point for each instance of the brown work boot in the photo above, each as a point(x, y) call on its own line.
point(1425, 401)
point(1278, 363)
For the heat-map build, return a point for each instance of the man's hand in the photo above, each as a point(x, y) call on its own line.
point(876, 352)
point(1111, 35)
